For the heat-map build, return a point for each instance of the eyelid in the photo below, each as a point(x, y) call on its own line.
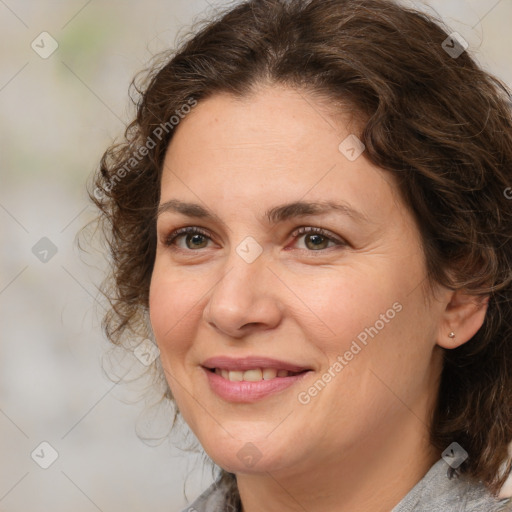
point(169, 239)
point(303, 230)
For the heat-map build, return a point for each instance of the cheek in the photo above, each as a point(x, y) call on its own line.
point(162, 301)
point(347, 302)
point(174, 316)
point(171, 310)
point(372, 320)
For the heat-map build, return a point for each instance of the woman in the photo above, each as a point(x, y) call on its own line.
point(311, 208)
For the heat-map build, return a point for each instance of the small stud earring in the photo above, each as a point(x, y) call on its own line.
point(451, 335)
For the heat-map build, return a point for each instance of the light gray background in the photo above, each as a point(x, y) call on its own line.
point(57, 116)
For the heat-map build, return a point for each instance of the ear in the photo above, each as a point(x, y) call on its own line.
point(463, 315)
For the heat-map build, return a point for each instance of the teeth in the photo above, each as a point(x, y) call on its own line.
point(269, 373)
point(236, 376)
point(252, 375)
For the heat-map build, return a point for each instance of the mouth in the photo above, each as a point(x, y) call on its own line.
point(253, 374)
point(252, 378)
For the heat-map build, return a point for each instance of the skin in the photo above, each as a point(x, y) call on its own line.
point(361, 443)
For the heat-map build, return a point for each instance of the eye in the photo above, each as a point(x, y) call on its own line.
point(316, 239)
point(193, 237)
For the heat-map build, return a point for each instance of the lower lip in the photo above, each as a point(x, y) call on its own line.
point(245, 391)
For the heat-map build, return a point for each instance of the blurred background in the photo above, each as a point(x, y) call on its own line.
point(68, 436)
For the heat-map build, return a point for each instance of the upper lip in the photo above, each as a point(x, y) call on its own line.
point(251, 362)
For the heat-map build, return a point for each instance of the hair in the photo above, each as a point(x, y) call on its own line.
point(440, 124)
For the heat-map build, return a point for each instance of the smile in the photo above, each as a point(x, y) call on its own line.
point(247, 391)
point(253, 375)
point(249, 379)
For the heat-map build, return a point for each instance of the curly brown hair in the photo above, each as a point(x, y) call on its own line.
point(434, 119)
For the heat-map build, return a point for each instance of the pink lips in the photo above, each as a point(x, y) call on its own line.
point(247, 363)
point(244, 391)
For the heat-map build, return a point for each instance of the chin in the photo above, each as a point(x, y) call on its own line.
point(246, 461)
point(245, 454)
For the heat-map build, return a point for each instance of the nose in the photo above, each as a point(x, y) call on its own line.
point(245, 299)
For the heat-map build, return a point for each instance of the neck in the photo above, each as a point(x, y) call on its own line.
point(372, 477)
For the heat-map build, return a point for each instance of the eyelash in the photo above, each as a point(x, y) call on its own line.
point(170, 239)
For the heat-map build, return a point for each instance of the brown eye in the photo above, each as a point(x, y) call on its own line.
point(196, 241)
point(194, 238)
point(317, 239)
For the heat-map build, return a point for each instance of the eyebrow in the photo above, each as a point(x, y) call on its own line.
point(274, 215)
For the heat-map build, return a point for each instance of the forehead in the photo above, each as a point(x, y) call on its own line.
point(278, 143)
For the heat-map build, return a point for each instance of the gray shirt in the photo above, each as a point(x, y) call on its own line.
point(435, 492)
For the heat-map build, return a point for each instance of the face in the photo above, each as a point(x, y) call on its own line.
point(286, 297)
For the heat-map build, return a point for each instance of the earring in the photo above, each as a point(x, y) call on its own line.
point(451, 335)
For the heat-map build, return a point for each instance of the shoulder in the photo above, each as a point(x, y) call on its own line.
point(438, 491)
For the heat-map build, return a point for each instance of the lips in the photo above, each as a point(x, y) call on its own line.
point(251, 378)
point(250, 363)
point(253, 375)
